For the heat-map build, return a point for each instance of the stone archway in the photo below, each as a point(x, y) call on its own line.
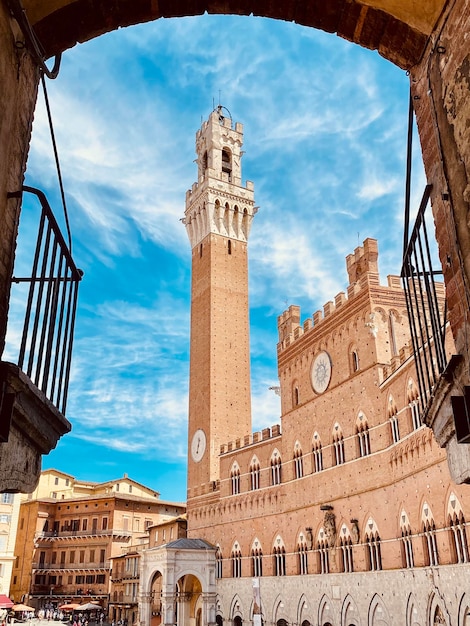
point(187, 598)
point(156, 599)
point(189, 601)
point(426, 37)
point(398, 31)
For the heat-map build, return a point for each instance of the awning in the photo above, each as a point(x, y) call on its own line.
point(5, 602)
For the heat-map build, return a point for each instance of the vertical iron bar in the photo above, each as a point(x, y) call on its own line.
point(409, 149)
point(71, 310)
point(427, 336)
point(438, 327)
point(407, 278)
point(62, 283)
point(47, 325)
point(63, 363)
point(424, 292)
point(38, 309)
point(417, 293)
point(32, 288)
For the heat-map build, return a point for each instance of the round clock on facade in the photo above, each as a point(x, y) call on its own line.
point(320, 374)
point(198, 445)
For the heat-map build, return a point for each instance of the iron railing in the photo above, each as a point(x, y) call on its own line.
point(102, 566)
point(93, 532)
point(46, 346)
point(426, 305)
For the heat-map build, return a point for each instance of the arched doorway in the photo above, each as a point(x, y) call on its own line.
point(156, 600)
point(189, 601)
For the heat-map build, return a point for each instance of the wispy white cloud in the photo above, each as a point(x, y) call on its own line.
point(324, 139)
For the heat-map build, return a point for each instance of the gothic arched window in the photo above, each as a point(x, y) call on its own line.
point(255, 473)
point(298, 461)
point(235, 479)
point(276, 468)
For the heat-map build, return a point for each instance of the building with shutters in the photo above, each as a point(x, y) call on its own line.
point(69, 530)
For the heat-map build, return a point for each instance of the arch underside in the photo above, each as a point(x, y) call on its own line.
point(399, 32)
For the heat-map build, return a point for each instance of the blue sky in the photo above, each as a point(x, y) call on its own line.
point(325, 145)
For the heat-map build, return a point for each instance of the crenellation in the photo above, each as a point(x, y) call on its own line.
point(362, 264)
point(317, 318)
point(288, 322)
point(363, 261)
point(394, 281)
point(308, 324)
point(249, 440)
point(266, 433)
point(340, 299)
point(328, 308)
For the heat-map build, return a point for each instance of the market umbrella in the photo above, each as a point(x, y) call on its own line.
point(5, 602)
point(89, 606)
point(21, 607)
point(73, 606)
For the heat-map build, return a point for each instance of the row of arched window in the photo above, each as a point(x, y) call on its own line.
point(313, 557)
point(337, 447)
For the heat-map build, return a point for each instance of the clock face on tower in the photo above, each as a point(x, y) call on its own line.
point(198, 445)
point(320, 374)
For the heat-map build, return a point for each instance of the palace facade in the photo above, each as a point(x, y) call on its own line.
point(343, 514)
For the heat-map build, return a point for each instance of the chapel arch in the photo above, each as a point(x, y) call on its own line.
point(190, 604)
point(156, 599)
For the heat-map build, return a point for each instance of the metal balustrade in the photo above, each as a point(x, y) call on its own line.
point(46, 345)
point(426, 305)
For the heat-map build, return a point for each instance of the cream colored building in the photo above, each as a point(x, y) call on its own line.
point(59, 485)
point(9, 509)
point(69, 531)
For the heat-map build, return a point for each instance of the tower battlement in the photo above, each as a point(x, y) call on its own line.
point(362, 267)
point(363, 262)
point(218, 203)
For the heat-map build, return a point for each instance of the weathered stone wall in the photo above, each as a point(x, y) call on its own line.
point(399, 598)
point(18, 80)
point(440, 87)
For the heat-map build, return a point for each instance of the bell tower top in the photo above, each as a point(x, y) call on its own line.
point(218, 203)
point(218, 147)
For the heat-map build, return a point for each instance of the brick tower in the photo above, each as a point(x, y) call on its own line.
point(218, 216)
